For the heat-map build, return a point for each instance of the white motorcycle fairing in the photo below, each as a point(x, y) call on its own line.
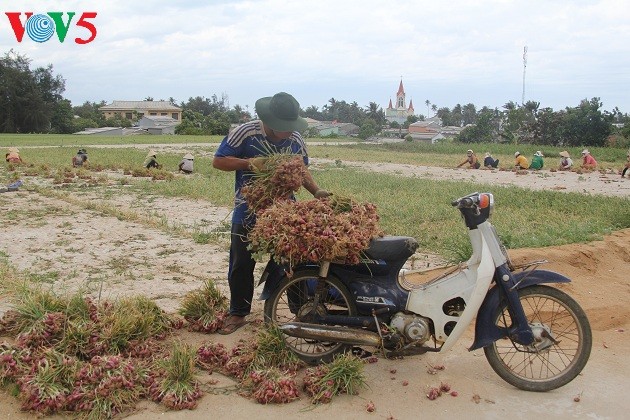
point(471, 284)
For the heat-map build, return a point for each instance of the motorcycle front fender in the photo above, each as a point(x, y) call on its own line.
point(486, 332)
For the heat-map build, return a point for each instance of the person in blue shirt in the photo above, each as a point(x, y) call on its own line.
point(243, 151)
point(490, 162)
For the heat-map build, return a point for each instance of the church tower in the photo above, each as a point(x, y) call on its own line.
point(400, 112)
point(400, 97)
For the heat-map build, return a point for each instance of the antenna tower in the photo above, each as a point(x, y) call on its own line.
point(524, 68)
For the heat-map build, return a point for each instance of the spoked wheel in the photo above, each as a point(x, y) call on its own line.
point(562, 343)
point(294, 300)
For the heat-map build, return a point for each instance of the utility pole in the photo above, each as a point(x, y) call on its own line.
point(524, 68)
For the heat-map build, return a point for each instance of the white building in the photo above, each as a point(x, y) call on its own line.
point(158, 125)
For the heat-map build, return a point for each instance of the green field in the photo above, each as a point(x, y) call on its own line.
point(407, 206)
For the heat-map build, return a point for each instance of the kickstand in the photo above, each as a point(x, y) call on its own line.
point(380, 334)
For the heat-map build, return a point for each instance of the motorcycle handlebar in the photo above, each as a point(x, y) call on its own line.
point(463, 203)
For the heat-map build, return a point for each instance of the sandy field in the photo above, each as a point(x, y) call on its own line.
point(151, 252)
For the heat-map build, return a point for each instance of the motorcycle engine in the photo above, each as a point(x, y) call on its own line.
point(414, 328)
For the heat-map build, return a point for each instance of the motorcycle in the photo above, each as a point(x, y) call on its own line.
point(535, 337)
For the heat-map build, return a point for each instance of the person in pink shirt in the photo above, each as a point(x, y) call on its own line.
point(588, 161)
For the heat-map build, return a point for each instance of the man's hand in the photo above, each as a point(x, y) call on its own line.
point(321, 194)
point(257, 164)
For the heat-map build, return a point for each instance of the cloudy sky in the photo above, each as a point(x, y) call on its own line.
point(447, 52)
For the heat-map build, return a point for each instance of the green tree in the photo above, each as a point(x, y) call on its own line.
point(509, 106)
point(457, 114)
point(446, 116)
point(376, 114)
point(28, 98)
point(357, 115)
point(515, 127)
point(314, 113)
point(89, 115)
point(481, 132)
point(80, 124)
point(62, 118)
point(191, 124)
point(331, 110)
point(586, 125)
point(410, 120)
point(548, 128)
point(469, 114)
point(368, 129)
point(117, 121)
point(238, 115)
point(206, 106)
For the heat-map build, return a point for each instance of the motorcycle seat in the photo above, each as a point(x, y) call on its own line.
point(392, 247)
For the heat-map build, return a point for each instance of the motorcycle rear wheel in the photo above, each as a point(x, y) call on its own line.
point(294, 297)
point(552, 362)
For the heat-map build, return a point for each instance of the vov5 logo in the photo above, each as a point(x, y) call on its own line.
point(41, 27)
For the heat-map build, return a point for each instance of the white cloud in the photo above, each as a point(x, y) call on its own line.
point(447, 52)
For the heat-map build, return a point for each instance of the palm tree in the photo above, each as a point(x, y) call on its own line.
point(509, 106)
point(457, 115)
point(427, 103)
point(313, 112)
point(375, 113)
point(434, 108)
point(332, 110)
point(532, 107)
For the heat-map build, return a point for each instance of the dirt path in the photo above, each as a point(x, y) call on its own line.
point(152, 251)
point(586, 183)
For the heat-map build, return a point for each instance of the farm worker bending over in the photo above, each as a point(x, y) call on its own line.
point(278, 130)
point(471, 160)
point(520, 161)
point(588, 161)
point(186, 165)
point(537, 160)
point(151, 161)
point(565, 161)
point(490, 162)
point(13, 155)
point(627, 167)
point(80, 158)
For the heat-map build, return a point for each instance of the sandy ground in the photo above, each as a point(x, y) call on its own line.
point(151, 251)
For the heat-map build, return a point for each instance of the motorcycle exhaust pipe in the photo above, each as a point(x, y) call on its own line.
point(331, 333)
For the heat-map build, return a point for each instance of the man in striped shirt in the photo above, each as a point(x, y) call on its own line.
point(243, 150)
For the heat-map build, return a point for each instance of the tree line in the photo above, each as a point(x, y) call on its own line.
point(31, 101)
point(584, 125)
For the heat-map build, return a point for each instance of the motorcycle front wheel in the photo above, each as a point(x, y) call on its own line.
point(294, 299)
point(560, 351)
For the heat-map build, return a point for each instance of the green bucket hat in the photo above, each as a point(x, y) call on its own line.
point(280, 112)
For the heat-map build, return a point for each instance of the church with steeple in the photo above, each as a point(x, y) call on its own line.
point(400, 112)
